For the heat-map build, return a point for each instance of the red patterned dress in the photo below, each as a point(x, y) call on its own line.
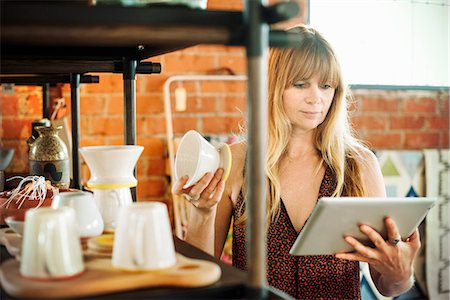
point(302, 277)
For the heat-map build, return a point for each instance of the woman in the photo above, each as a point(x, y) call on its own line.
point(311, 154)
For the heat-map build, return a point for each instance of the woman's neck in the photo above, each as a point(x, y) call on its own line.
point(301, 145)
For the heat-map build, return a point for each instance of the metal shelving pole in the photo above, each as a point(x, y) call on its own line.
point(257, 47)
point(75, 111)
point(46, 101)
point(129, 89)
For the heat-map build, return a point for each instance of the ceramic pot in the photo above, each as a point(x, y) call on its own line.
point(48, 157)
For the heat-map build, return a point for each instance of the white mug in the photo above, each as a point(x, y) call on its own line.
point(143, 239)
point(51, 246)
point(108, 202)
point(195, 157)
point(88, 218)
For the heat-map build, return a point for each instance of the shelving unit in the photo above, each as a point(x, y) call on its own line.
point(66, 38)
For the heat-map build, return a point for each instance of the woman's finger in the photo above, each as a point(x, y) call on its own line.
point(209, 190)
point(218, 192)
point(373, 236)
point(198, 188)
point(360, 248)
point(352, 256)
point(393, 234)
point(177, 187)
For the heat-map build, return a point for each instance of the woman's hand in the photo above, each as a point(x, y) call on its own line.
point(204, 194)
point(391, 261)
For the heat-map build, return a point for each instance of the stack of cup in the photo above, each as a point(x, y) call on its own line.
point(143, 239)
point(51, 246)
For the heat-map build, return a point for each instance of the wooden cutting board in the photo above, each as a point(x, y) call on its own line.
point(100, 278)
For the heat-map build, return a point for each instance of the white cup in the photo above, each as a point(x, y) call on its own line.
point(143, 239)
point(51, 246)
point(88, 218)
point(195, 157)
point(109, 201)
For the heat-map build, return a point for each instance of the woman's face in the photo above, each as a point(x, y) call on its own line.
point(306, 103)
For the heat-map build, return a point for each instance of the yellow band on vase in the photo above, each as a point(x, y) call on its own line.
point(106, 186)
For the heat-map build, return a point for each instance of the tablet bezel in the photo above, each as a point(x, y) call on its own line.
point(334, 218)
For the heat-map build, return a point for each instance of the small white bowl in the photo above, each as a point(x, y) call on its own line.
point(16, 223)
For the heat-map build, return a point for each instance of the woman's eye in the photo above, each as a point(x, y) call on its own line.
point(299, 85)
point(326, 86)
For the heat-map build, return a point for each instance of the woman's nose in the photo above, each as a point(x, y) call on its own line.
point(313, 96)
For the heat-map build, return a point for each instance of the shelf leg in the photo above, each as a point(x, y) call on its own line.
point(46, 101)
point(75, 112)
point(129, 88)
point(257, 47)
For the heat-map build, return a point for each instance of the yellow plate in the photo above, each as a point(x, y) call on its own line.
point(225, 160)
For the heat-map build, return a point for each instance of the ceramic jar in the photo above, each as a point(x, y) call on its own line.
point(48, 157)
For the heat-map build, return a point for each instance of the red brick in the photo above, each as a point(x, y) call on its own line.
point(365, 121)
point(236, 63)
point(420, 105)
point(444, 141)
point(234, 103)
point(91, 141)
point(149, 104)
point(445, 106)
point(155, 82)
point(157, 167)
point(92, 105)
point(14, 128)
point(181, 63)
point(32, 106)
point(114, 105)
point(151, 188)
point(218, 49)
point(109, 83)
point(183, 124)
point(407, 122)
point(384, 141)
point(9, 105)
point(379, 105)
point(141, 126)
point(115, 140)
point(438, 122)
point(106, 126)
point(223, 86)
point(228, 5)
point(222, 125)
point(152, 147)
point(421, 140)
point(154, 125)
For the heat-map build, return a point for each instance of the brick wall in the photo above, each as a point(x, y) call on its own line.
point(386, 119)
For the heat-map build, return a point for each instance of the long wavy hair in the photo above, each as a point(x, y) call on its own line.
point(334, 140)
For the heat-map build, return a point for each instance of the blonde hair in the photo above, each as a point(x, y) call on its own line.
point(334, 139)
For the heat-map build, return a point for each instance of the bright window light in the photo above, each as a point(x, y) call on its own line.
point(387, 42)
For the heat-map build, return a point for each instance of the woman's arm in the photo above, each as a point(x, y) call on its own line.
point(391, 266)
point(210, 215)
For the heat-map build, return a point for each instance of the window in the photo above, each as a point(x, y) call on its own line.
point(387, 42)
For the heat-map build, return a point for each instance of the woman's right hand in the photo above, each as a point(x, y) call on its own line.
point(205, 193)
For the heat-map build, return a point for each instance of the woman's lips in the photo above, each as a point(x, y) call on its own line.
point(311, 113)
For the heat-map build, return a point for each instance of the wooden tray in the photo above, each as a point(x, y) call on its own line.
point(100, 278)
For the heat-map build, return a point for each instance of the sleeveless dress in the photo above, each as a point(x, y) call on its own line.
point(302, 277)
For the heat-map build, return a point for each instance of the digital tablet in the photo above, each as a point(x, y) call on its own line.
point(334, 218)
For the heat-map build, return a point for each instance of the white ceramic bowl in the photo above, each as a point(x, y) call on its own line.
point(16, 223)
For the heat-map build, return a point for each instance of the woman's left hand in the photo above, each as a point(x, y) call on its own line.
point(392, 259)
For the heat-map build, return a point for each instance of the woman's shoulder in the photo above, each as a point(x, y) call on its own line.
point(364, 156)
point(370, 171)
point(239, 150)
point(236, 178)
